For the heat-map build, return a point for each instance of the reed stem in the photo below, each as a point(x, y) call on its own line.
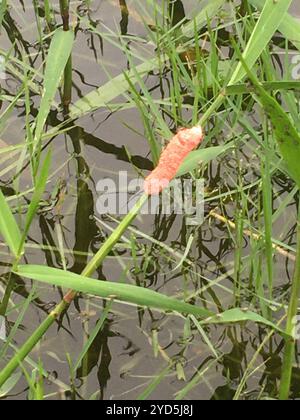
point(289, 352)
point(65, 14)
point(67, 92)
point(48, 14)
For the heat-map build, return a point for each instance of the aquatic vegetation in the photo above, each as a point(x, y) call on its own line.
point(179, 310)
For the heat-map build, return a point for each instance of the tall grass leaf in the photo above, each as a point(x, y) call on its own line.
point(10, 384)
point(59, 53)
point(105, 289)
point(12, 64)
point(286, 134)
point(4, 117)
point(237, 315)
point(202, 156)
point(289, 26)
point(37, 195)
point(3, 7)
point(271, 16)
point(283, 85)
point(8, 226)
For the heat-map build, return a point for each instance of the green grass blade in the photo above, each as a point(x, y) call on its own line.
point(237, 315)
point(243, 88)
point(271, 17)
point(37, 195)
point(154, 383)
point(286, 134)
point(289, 26)
point(10, 384)
point(8, 227)
point(197, 378)
point(92, 337)
point(123, 292)
point(3, 7)
point(193, 160)
point(59, 53)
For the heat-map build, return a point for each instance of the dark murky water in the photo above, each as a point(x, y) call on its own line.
point(121, 361)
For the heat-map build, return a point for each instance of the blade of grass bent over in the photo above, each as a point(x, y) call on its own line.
point(118, 291)
point(236, 315)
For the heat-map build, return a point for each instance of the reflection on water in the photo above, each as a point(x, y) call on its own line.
point(121, 362)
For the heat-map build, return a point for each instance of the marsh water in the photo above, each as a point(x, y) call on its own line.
point(123, 358)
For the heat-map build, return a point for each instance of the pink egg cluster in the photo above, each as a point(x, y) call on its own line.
point(186, 140)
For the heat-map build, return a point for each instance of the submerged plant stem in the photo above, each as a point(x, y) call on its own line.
point(64, 11)
point(289, 353)
point(68, 84)
point(67, 93)
point(95, 262)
